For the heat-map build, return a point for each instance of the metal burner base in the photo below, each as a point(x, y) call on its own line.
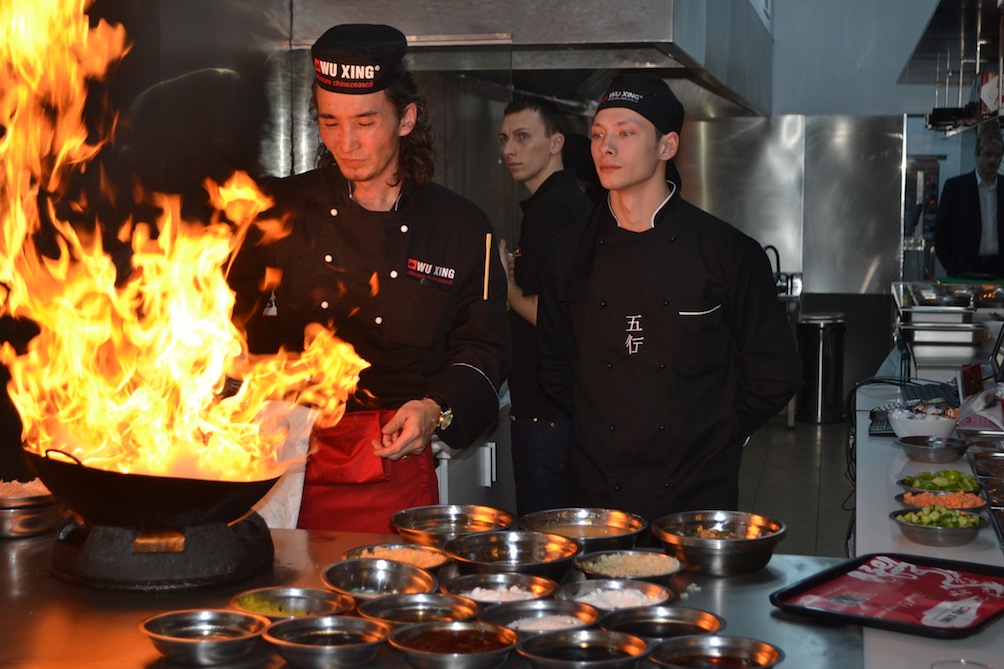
point(121, 558)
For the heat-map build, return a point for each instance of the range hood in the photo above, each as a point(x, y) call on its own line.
point(717, 53)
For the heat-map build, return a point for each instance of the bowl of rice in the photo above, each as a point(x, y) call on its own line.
point(609, 594)
point(428, 558)
point(499, 587)
point(652, 566)
point(538, 616)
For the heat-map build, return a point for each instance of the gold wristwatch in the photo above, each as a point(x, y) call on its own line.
point(445, 413)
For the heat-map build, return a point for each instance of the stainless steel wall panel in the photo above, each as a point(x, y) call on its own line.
point(853, 203)
point(748, 171)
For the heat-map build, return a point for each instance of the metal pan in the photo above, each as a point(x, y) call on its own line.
point(144, 502)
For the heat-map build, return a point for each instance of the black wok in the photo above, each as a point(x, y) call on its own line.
point(141, 501)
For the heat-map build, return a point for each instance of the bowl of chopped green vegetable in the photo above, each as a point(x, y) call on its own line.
point(947, 480)
point(280, 603)
point(939, 526)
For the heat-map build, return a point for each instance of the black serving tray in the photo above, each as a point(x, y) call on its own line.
point(884, 584)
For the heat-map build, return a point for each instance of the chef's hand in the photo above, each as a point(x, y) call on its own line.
point(508, 262)
point(409, 431)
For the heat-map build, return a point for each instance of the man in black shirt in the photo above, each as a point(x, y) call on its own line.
point(531, 142)
point(659, 326)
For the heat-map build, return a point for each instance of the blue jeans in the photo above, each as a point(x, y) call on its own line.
point(540, 462)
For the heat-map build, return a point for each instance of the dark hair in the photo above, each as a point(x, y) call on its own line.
point(549, 113)
point(416, 155)
point(989, 138)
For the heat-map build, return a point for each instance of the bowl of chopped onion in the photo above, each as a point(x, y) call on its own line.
point(644, 565)
point(608, 594)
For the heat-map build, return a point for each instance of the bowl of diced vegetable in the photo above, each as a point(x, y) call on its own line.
point(945, 480)
point(939, 526)
point(966, 501)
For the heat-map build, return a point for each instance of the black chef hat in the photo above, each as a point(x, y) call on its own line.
point(648, 95)
point(359, 58)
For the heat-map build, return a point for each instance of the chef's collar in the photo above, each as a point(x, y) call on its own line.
point(405, 196)
point(658, 210)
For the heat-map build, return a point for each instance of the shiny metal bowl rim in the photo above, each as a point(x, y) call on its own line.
point(581, 560)
point(939, 535)
point(663, 612)
point(571, 516)
point(529, 648)
point(354, 553)
point(497, 578)
point(664, 533)
point(909, 506)
point(411, 517)
point(251, 625)
point(576, 588)
point(507, 612)
point(432, 583)
point(505, 536)
point(395, 638)
point(275, 632)
point(701, 641)
point(335, 600)
point(377, 608)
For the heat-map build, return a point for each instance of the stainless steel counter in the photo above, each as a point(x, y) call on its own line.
point(50, 624)
point(880, 463)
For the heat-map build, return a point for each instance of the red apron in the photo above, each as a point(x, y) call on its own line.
point(348, 488)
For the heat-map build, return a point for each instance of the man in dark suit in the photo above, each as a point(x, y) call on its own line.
point(969, 227)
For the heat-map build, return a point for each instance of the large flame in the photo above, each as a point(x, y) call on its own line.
point(129, 377)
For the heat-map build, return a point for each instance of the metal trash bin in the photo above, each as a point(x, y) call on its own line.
point(821, 345)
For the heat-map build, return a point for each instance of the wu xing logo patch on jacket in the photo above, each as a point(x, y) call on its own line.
point(421, 269)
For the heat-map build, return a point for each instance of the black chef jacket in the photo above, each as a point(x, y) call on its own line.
point(557, 204)
point(670, 347)
point(406, 288)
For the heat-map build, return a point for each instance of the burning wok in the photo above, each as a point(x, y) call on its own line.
point(144, 502)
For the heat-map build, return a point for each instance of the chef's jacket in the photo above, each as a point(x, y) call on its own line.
point(418, 291)
point(669, 347)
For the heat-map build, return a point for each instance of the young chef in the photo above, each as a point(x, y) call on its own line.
point(531, 142)
point(659, 326)
point(398, 266)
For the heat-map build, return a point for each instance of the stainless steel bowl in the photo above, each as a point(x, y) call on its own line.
point(279, 603)
point(422, 608)
point(537, 553)
point(439, 523)
point(643, 565)
point(938, 536)
point(714, 650)
point(540, 616)
point(987, 463)
point(502, 586)
point(901, 498)
point(747, 544)
point(323, 642)
point(204, 636)
point(608, 594)
point(19, 519)
point(460, 645)
point(934, 449)
point(662, 622)
point(429, 558)
point(366, 578)
point(584, 649)
point(595, 529)
point(993, 488)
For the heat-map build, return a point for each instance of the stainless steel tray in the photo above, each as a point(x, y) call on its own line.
point(970, 334)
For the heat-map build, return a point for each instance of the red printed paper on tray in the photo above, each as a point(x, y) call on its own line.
point(902, 593)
